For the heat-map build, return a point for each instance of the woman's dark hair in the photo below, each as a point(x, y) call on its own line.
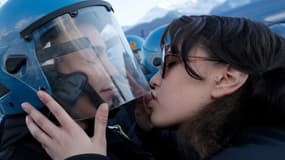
point(247, 46)
point(244, 44)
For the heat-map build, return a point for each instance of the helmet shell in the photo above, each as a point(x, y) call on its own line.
point(151, 52)
point(15, 51)
point(21, 72)
point(136, 44)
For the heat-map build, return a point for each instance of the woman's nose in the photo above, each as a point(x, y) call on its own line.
point(155, 80)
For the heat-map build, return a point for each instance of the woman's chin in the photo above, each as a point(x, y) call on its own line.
point(159, 121)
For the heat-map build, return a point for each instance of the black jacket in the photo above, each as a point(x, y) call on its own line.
point(16, 143)
point(258, 143)
point(252, 144)
point(124, 139)
point(158, 144)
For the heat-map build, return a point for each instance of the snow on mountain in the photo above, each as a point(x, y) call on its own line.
point(162, 14)
point(156, 12)
point(230, 4)
point(197, 7)
point(194, 7)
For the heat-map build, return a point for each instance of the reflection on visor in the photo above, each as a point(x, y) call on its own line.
point(66, 48)
point(70, 87)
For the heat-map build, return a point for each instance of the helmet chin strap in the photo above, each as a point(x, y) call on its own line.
point(70, 87)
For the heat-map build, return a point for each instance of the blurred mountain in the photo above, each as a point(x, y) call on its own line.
point(154, 13)
point(161, 15)
point(260, 10)
point(263, 10)
point(143, 29)
point(229, 5)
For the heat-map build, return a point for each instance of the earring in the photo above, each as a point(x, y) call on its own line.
point(217, 79)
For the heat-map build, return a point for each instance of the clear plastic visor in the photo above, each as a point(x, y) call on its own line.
point(87, 60)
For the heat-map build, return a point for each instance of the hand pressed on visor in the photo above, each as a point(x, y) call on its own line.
point(68, 139)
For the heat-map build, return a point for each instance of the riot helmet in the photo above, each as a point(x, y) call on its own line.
point(151, 52)
point(136, 43)
point(73, 49)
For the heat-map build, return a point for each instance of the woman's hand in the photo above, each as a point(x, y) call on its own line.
point(68, 139)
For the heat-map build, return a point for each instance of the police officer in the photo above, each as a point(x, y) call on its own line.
point(74, 51)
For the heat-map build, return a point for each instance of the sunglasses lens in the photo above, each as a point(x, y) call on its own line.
point(169, 62)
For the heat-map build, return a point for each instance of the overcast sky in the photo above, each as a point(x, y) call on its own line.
point(128, 12)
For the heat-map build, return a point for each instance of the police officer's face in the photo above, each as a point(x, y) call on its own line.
point(91, 62)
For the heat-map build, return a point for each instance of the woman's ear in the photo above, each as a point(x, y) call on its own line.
point(229, 80)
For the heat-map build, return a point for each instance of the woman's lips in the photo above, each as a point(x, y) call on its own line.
point(149, 98)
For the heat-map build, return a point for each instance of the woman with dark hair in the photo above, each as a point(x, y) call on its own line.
point(222, 82)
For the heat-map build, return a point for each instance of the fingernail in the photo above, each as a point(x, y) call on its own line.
point(25, 106)
point(40, 94)
point(105, 107)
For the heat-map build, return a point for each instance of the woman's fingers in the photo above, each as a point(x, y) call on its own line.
point(101, 119)
point(99, 138)
point(38, 119)
point(63, 118)
point(70, 139)
point(37, 133)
